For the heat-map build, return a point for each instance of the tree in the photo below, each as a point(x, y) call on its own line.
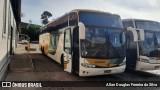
point(45, 15)
point(33, 32)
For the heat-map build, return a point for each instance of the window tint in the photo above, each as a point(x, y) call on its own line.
point(147, 25)
point(128, 24)
point(100, 19)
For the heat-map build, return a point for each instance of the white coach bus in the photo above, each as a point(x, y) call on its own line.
point(143, 55)
point(87, 42)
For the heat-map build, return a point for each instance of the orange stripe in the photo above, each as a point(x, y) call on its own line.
point(100, 62)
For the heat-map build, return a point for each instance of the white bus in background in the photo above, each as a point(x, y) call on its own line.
point(24, 38)
point(86, 42)
point(143, 55)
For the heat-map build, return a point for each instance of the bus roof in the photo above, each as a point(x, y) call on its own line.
point(89, 10)
point(139, 20)
point(77, 11)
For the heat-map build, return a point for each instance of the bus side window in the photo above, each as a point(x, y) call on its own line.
point(67, 41)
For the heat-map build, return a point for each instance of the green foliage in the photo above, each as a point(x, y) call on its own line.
point(45, 15)
point(33, 32)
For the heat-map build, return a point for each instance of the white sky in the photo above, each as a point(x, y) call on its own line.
point(140, 9)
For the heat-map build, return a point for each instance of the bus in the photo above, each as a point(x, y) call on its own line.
point(86, 42)
point(143, 55)
point(23, 38)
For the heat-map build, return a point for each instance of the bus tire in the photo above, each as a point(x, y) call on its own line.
point(62, 61)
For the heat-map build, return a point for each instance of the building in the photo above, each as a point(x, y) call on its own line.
point(9, 22)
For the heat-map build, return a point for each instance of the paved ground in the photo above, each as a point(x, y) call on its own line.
point(154, 72)
point(21, 62)
point(45, 69)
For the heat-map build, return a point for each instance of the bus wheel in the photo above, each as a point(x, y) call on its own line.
point(62, 62)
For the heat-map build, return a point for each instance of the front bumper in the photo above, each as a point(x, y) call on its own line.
point(147, 66)
point(101, 71)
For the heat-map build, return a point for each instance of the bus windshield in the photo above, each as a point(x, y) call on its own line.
point(100, 19)
point(152, 39)
point(103, 43)
point(148, 45)
point(157, 34)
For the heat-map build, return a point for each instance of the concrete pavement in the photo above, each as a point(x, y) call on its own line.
point(46, 69)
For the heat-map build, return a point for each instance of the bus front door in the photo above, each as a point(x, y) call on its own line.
point(67, 51)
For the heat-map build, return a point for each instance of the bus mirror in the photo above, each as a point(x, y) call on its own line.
point(141, 32)
point(81, 30)
point(134, 32)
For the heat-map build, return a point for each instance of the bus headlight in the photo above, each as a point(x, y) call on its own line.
point(144, 60)
point(88, 65)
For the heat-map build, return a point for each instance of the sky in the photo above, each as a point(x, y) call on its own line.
point(138, 9)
